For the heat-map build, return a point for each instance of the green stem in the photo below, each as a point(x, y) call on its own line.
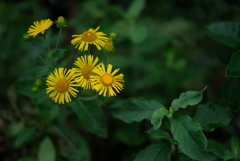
point(49, 50)
point(59, 35)
point(40, 56)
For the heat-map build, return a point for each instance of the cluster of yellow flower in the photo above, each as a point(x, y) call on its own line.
point(89, 74)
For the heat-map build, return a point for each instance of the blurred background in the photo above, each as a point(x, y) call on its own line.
point(162, 49)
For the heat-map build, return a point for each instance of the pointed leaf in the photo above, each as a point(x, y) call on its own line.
point(47, 151)
point(191, 139)
point(233, 68)
point(24, 86)
point(40, 71)
point(188, 98)
point(157, 151)
point(134, 109)
point(157, 117)
point(91, 116)
point(226, 33)
point(135, 8)
point(211, 116)
point(58, 54)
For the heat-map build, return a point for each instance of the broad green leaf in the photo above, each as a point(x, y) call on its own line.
point(91, 116)
point(73, 146)
point(160, 134)
point(159, 151)
point(46, 151)
point(226, 33)
point(191, 139)
point(231, 93)
point(40, 71)
point(211, 116)
point(188, 98)
point(15, 129)
point(58, 54)
point(135, 8)
point(138, 34)
point(216, 147)
point(24, 86)
point(134, 109)
point(157, 117)
point(233, 68)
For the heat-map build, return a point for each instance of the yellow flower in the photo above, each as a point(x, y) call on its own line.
point(105, 82)
point(89, 37)
point(39, 27)
point(86, 65)
point(60, 84)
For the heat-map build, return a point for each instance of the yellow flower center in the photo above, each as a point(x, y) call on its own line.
point(87, 71)
point(107, 79)
point(61, 85)
point(89, 36)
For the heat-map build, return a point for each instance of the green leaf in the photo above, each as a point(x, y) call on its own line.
point(216, 147)
point(189, 98)
point(40, 71)
point(46, 151)
point(91, 116)
point(157, 117)
point(73, 146)
point(138, 34)
point(160, 134)
point(58, 54)
point(134, 109)
point(233, 68)
point(135, 8)
point(27, 135)
point(235, 146)
point(226, 33)
point(211, 116)
point(157, 151)
point(24, 86)
point(191, 139)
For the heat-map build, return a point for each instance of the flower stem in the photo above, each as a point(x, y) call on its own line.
point(49, 50)
point(59, 35)
point(40, 56)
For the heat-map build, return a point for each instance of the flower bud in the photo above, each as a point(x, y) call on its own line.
point(108, 48)
point(61, 22)
point(26, 37)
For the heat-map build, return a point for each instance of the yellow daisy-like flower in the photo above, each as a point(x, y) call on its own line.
point(89, 37)
point(60, 83)
point(86, 65)
point(105, 82)
point(39, 27)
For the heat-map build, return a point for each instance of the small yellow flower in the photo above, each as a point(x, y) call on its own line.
point(91, 36)
point(60, 84)
point(39, 27)
point(86, 65)
point(61, 22)
point(105, 82)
